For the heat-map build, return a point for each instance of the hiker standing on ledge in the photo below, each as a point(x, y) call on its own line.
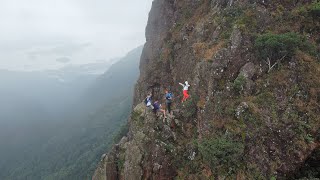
point(169, 97)
point(148, 101)
point(185, 91)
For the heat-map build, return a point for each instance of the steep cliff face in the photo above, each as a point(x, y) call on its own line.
point(254, 109)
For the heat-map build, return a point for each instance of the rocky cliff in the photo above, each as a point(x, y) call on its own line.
point(254, 69)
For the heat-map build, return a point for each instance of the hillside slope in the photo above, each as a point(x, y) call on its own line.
point(254, 109)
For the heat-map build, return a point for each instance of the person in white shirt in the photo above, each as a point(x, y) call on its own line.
point(185, 91)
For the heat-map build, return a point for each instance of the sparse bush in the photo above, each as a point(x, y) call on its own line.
point(318, 135)
point(221, 152)
point(137, 118)
point(247, 22)
point(315, 9)
point(123, 131)
point(238, 84)
point(227, 20)
point(217, 104)
point(120, 162)
point(309, 138)
point(190, 106)
point(232, 13)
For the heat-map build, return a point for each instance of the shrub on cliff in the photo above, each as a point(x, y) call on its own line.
point(275, 48)
point(315, 9)
point(190, 106)
point(239, 83)
point(123, 131)
point(221, 153)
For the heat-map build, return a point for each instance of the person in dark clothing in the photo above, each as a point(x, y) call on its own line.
point(157, 107)
point(169, 97)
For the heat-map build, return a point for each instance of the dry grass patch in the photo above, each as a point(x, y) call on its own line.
point(205, 51)
point(213, 50)
point(304, 57)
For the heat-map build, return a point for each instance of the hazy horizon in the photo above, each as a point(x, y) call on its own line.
point(67, 72)
point(40, 35)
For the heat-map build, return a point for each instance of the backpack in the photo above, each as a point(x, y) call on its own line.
point(146, 100)
point(169, 96)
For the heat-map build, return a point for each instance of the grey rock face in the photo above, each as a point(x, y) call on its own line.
point(132, 167)
point(248, 70)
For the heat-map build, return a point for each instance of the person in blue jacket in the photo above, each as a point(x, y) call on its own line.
point(169, 98)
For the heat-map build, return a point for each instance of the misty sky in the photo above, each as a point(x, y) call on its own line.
point(46, 34)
